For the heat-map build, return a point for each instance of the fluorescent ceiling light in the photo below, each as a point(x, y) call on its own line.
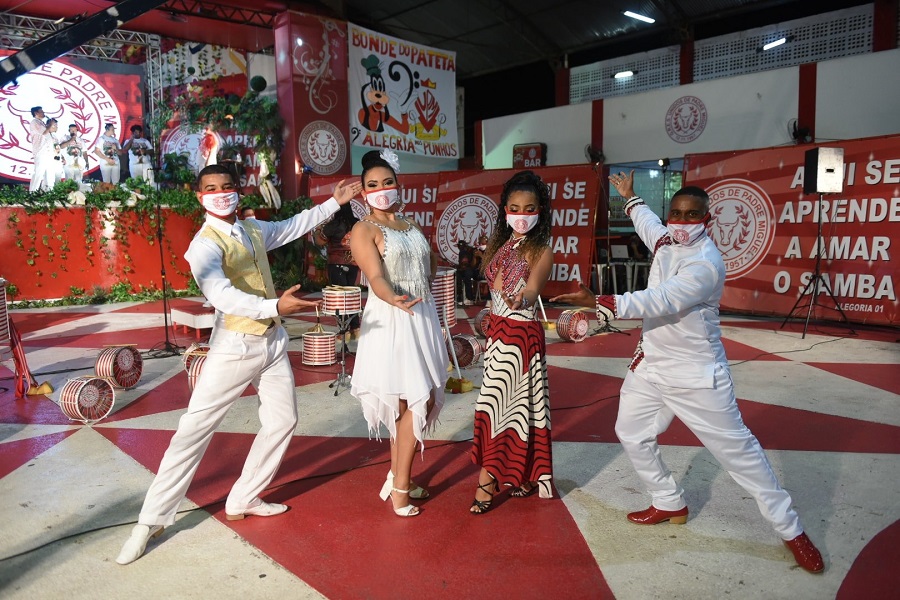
point(774, 44)
point(628, 13)
point(623, 74)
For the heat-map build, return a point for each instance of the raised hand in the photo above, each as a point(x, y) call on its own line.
point(288, 304)
point(623, 183)
point(344, 192)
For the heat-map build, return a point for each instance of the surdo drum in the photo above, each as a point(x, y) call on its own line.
point(121, 364)
point(87, 399)
point(319, 348)
point(345, 299)
point(193, 351)
point(443, 289)
point(482, 322)
point(572, 325)
point(468, 349)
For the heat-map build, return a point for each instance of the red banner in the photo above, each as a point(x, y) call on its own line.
point(463, 205)
point(768, 230)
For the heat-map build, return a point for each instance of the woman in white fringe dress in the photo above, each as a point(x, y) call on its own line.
point(401, 359)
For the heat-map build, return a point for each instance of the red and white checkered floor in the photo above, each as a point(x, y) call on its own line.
point(826, 408)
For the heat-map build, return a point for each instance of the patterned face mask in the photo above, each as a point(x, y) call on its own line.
point(522, 223)
point(687, 233)
point(221, 204)
point(383, 199)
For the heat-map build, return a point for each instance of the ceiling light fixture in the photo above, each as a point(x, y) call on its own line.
point(775, 43)
point(633, 15)
point(664, 163)
point(624, 74)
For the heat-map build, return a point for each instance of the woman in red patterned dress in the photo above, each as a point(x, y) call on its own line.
point(512, 415)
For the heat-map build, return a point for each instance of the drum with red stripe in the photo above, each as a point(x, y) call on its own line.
point(5, 337)
point(443, 289)
point(344, 299)
point(193, 351)
point(87, 399)
point(572, 325)
point(319, 348)
point(121, 364)
point(482, 322)
point(468, 349)
point(195, 368)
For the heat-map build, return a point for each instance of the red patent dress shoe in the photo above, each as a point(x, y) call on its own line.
point(805, 553)
point(653, 515)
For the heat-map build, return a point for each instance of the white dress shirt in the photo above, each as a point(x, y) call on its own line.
point(205, 259)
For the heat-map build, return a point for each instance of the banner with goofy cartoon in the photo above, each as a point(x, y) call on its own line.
point(402, 95)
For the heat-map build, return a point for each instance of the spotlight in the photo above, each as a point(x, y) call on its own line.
point(663, 162)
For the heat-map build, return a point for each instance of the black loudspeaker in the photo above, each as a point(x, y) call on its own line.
point(824, 171)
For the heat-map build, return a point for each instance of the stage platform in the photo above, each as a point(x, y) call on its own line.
point(825, 408)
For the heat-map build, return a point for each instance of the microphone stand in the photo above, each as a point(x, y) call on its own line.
point(607, 328)
point(168, 348)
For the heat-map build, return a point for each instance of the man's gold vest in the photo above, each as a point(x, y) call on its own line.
point(248, 274)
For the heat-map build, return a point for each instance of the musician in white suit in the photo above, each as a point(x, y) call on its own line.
point(680, 369)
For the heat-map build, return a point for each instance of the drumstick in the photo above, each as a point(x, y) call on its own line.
point(450, 340)
point(541, 304)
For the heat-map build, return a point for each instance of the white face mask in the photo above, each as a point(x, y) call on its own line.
point(383, 199)
point(220, 204)
point(686, 234)
point(522, 223)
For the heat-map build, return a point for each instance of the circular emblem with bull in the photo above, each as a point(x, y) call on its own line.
point(742, 224)
point(466, 218)
point(686, 119)
point(67, 94)
point(322, 147)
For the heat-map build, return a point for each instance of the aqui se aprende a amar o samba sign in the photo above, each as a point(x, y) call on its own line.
point(402, 95)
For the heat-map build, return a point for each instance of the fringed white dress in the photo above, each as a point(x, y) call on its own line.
point(401, 356)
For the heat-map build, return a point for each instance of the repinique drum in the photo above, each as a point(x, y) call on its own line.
point(87, 399)
point(121, 364)
point(345, 299)
point(572, 325)
point(193, 351)
point(482, 322)
point(468, 349)
point(195, 367)
point(443, 288)
point(319, 348)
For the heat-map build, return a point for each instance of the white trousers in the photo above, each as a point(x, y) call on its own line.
point(139, 170)
point(74, 173)
point(46, 173)
point(646, 410)
point(234, 361)
point(110, 173)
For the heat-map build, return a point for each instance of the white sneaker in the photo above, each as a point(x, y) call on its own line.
point(467, 302)
point(135, 545)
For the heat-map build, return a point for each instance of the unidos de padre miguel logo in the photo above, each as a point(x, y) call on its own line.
point(465, 219)
point(322, 147)
point(66, 94)
point(686, 119)
point(742, 224)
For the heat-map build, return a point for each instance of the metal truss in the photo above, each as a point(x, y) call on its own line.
point(212, 10)
point(17, 32)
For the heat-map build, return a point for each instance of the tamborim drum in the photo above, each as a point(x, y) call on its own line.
point(572, 325)
point(195, 367)
point(345, 299)
point(121, 364)
point(319, 348)
point(443, 288)
point(468, 349)
point(87, 399)
point(482, 322)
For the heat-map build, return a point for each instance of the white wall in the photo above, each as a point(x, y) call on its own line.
point(857, 96)
point(566, 130)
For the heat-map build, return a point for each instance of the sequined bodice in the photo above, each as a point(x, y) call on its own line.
point(511, 264)
point(407, 260)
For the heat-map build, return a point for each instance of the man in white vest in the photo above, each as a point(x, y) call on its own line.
point(248, 345)
point(680, 370)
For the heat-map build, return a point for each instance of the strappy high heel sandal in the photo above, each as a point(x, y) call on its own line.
point(524, 490)
point(404, 511)
point(416, 492)
point(483, 506)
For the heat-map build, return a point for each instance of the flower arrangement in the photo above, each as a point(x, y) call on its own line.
point(110, 150)
point(74, 151)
